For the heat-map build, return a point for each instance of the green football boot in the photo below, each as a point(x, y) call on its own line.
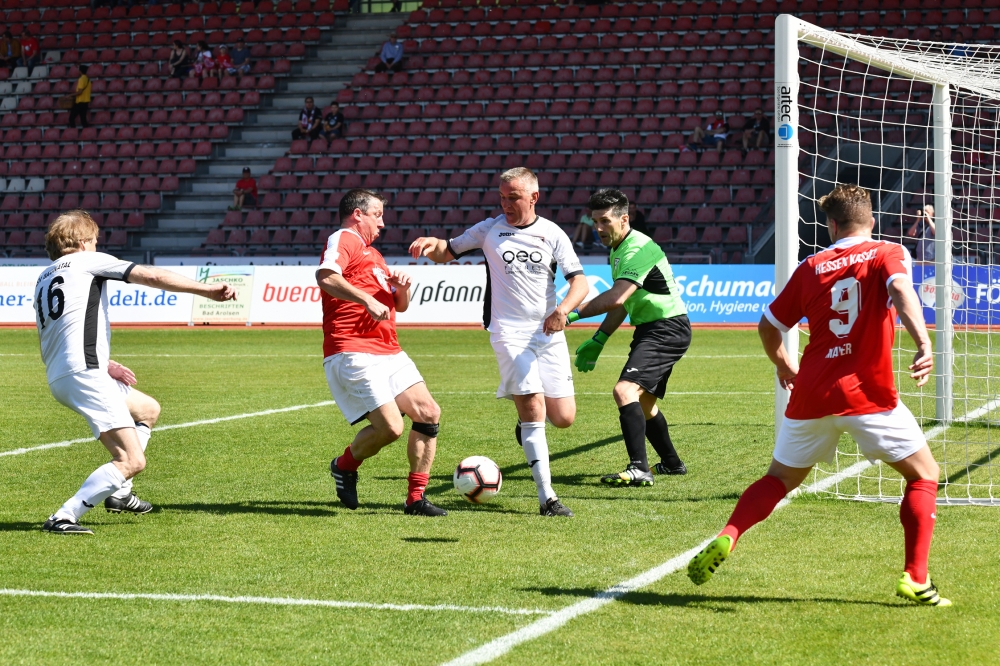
point(703, 565)
point(925, 595)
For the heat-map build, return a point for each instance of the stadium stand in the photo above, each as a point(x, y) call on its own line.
point(588, 95)
point(149, 133)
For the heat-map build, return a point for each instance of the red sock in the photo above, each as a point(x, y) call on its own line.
point(347, 461)
point(918, 513)
point(756, 504)
point(418, 482)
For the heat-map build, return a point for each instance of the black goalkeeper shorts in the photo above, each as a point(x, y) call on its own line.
point(656, 347)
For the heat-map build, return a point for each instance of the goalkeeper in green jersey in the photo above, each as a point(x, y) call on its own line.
point(644, 290)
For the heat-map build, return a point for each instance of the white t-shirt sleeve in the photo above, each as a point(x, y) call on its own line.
point(471, 239)
point(105, 266)
point(565, 255)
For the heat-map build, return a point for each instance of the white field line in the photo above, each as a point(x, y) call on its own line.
point(608, 393)
point(190, 424)
point(272, 601)
point(319, 356)
point(501, 646)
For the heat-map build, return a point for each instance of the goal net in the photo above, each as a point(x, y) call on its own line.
point(916, 124)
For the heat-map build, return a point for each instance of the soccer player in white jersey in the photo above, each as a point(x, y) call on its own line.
point(526, 326)
point(72, 318)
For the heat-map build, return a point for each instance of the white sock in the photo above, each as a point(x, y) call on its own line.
point(105, 480)
point(536, 450)
point(143, 433)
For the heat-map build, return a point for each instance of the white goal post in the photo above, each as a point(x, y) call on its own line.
point(916, 124)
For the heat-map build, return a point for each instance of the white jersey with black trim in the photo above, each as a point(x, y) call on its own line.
point(520, 289)
point(71, 311)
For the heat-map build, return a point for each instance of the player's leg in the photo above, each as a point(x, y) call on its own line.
point(97, 397)
point(145, 411)
point(800, 445)
point(531, 414)
point(633, 424)
point(127, 460)
point(658, 435)
point(417, 403)
point(895, 438)
point(360, 386)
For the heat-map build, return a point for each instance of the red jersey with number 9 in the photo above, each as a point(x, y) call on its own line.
point(347, 326)
point(846, 369)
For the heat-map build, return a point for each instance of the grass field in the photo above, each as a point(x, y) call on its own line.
point(246, 507)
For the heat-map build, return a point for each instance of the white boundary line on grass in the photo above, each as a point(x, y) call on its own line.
point(501, 646)
point(190, 424)
point(272, 601)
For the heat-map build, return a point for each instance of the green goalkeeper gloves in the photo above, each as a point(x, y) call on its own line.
point(587, 353)
point(574, 315)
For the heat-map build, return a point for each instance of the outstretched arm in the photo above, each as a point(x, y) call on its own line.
point(435, 249)
point(610, 300)
point(774, 347)
point(578, 290)
point(911, 314)
point(613, 320)
point(158, 278)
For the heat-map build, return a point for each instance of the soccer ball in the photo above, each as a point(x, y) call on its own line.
point(477, 479)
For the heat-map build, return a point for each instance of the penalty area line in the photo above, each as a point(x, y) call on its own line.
point(501, 646)
point(174, 426)
point(272, 601)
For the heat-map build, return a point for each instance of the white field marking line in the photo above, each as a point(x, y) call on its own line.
point(190, 424)
point(759, 356)
point(669, 393)
point(501, 646)
point(273, 601)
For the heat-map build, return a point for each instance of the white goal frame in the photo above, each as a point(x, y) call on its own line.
point(789, 31)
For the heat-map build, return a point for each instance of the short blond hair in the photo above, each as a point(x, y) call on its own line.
point(521, 173)
point(850, 205)
point(67, 232)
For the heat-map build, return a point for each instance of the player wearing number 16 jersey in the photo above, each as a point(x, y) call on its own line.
point(850, 294)
point(71, 308)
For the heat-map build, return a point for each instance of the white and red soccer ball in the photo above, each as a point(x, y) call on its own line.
point(477, 479)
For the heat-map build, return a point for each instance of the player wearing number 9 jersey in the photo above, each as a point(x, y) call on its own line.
point(71, 308)
point(850, 293)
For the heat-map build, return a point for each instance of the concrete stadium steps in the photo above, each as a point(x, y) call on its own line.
point(200, 206)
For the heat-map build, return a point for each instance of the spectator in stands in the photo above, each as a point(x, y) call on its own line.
point(333, 123)
point(224, 63)
point(81, 103)
point(31, 51)
point(923, 230)
point(179, 62)
point(310, 121)
point(713, 134)
point(756, 131)
point(204, 64)
point(637, 219)
point(245, 193)
point(241, 59)
point(10, 50)
point(583, 235)
point(397, 6)
point(353, 6)
point(391, 57)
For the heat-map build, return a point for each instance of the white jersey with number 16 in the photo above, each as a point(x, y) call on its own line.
point(71, 311)
point(522, 263)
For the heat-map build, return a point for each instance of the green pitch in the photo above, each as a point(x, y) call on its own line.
point(246, 507)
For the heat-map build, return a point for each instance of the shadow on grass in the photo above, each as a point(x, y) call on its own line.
point(20, 527)
point(316, 509)
point(708, 602)
point(429, 540)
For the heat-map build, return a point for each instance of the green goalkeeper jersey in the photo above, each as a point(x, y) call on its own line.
point(641, 261)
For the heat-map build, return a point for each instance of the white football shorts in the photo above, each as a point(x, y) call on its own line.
point(361, 383)
point(532, 362)
point(95, 396)
point(887, 436)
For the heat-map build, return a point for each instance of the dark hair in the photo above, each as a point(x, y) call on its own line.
point(84, 69)
point(309, 99)
point(203, 45)
point(609, 198)
point(178, 43)
point(358, 198)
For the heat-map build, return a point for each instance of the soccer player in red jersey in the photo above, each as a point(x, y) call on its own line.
point(850, 293)
point(369, 375)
